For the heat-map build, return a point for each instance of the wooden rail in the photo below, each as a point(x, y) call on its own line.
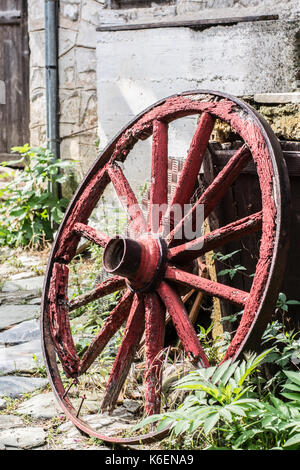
point(195, 24)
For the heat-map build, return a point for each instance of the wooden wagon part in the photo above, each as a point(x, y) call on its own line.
point(149, 263)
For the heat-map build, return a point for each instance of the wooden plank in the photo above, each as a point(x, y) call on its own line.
point(245, 200)
point(10, 21)
point(10, 14)
point(234, 203)
point(196, 24)
point(118, 4)
point(291, 157)
point(14, 72)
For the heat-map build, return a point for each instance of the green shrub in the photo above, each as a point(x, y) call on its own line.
point(27, 207)
point(232, 406)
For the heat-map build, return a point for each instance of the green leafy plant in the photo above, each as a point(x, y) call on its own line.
point(285, 354)
point(214, 347)
point(228, 408)
point(27, 207)
point(283, 303)
point(218, 396)
point(230, 270)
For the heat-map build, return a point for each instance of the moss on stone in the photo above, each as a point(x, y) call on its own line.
point(284, 120)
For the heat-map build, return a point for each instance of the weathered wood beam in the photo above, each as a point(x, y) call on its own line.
point(196, 24)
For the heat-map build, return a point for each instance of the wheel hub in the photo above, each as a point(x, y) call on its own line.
point(142, 262)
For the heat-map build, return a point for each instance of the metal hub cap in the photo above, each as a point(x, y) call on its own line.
point(141, 261)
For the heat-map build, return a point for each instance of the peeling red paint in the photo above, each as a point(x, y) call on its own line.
point(59, 320)
point(159, 173)
point(109, 286)
point(110, 327)
point(215, 192)
point(154, 344)
point(91, 234)
point(130, 342)
point(149, 262)
point(192, 164)
point(137, 223)
point(233, 295)
point(186, 252)
point(183, 325)
point(82, 210)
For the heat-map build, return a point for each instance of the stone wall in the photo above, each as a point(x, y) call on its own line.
point(77, 78)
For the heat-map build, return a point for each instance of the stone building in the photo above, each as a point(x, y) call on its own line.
point(106, 77)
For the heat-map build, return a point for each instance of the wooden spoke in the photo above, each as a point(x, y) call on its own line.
point(216, 190)
point(215, 239)
point(113, 323)
point(192, 164)
point(159, 174)
point(154, 343)
point(137, 224)
point(188, 177)
point(81, 211)
point(104, 288)
point(213, 288)
point(130, 342)
point(91, 234)
point(183, 325)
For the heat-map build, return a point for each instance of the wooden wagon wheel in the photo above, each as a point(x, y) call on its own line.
point(151, 262)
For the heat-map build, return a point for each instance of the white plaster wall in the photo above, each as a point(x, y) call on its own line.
point(107, 78)
point(137, 68)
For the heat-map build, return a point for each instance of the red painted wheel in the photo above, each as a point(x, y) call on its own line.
point(149, 264)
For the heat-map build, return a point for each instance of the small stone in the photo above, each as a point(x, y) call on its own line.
point(120, 413)
point(277, 98)
point(22, 438)
point(25, 357)
point(13, 314)
point(24, 284)
point(22, 275)
point(70, 430)
point(70, 443)
point(14, 387)
point(35, 301)
point(9, 286)
point(25, 331)
point(131, 405)
point(10, 421)
point(42, 406)
point(2, 404)
point(89, 406)
point(29, 260)
point(19, 297)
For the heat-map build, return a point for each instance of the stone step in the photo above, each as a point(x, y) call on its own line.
point(14, 314)
point(15, 386)
point(25, 357)
point(22, 333)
